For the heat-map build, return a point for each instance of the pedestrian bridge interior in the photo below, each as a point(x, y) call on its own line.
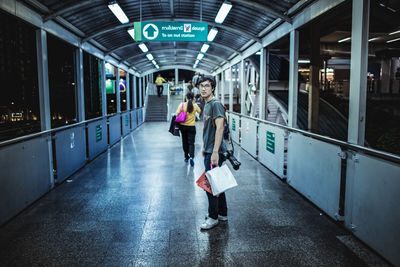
point(92, 177)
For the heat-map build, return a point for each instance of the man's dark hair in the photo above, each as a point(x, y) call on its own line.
point(203, 78)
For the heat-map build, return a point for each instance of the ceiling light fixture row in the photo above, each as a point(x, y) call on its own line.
point(375, 38)
point(118, 12)
point(219, 18)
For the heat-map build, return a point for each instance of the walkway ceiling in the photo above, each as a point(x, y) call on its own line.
point(93, 22)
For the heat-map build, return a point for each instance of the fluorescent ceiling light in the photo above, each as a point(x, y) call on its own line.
point(197, 62)
point(131, 32)
point(394, 40)
point(344, 40)
point(204, 48)
point(303, 61)
point(118, 12)
point(211, 35)
point(373, 39)
point(394, 32)
point(143, 47)
point(200, 56)
point(150, 57)
point(157, 66)
point(154, 62)
point(223, 12)
point(194, 66)
point(258, 53)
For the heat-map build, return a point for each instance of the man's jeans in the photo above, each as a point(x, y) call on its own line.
point(216, 205)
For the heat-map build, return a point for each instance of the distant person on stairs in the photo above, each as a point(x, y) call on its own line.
point(159, 83)
point(188, 128)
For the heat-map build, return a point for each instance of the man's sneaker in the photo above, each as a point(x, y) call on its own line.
point(222, 218)
point(186, 160)
point(191, 162)
point(209, 223)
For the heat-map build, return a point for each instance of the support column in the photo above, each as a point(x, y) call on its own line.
point(293, 78)
point(313, 94)
point(263, 81)
point(44, 90)
point(230, 90)
point(223, 87)
point(44, 93)
point(128, 91)
point(103, 89)
point(176, 77)
point(117, 91)
point(143, 90)
point(135, 96)
point(80, 91)
point(140, 92)
point(242, 89)
point(358, 71)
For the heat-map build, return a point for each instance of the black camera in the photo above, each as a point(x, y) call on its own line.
point(229, 156)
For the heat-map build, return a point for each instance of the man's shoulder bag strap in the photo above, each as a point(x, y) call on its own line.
point(212, 117)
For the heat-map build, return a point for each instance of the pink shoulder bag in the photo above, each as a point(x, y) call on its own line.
point(181, 117)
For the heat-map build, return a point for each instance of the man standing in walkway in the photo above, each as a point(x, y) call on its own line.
point(159, 83)
point(213, 147)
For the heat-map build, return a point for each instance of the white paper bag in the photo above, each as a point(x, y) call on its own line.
point(221, 179)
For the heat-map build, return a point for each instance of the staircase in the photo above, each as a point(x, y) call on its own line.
point(156, 108)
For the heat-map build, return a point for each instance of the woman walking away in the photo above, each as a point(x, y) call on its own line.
point(188, 128)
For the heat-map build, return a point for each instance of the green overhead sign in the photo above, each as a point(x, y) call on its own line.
point(170, 31)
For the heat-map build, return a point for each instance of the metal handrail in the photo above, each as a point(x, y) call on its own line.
point(380, 154)
point(48, 132)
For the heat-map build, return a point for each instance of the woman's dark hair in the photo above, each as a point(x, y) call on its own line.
point(189, 97)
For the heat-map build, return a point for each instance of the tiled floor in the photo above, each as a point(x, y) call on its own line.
point(137, 205)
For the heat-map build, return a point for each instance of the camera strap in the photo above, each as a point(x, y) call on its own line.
point(225, 123)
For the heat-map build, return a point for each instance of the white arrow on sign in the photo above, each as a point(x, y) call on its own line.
point(150, 31)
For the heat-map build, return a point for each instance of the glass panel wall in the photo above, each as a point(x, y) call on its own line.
point(19, 93)
point(382, 124)
point(92, 79)
point(122, 88)
point(110, 88)
point(62, 81)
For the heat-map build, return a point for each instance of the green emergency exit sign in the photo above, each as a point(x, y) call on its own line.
point(126, 120)
point(99, 133)
point(171, 31)
point(270, 146)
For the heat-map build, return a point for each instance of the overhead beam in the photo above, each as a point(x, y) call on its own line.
point(210, 43)
point(171, 6)
point(172, 50)
point(258, 6)
point(120, 47)
point(70, 8)
point(182, 67)
point(148, 63)
point(137, 63)
point(227, 28)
